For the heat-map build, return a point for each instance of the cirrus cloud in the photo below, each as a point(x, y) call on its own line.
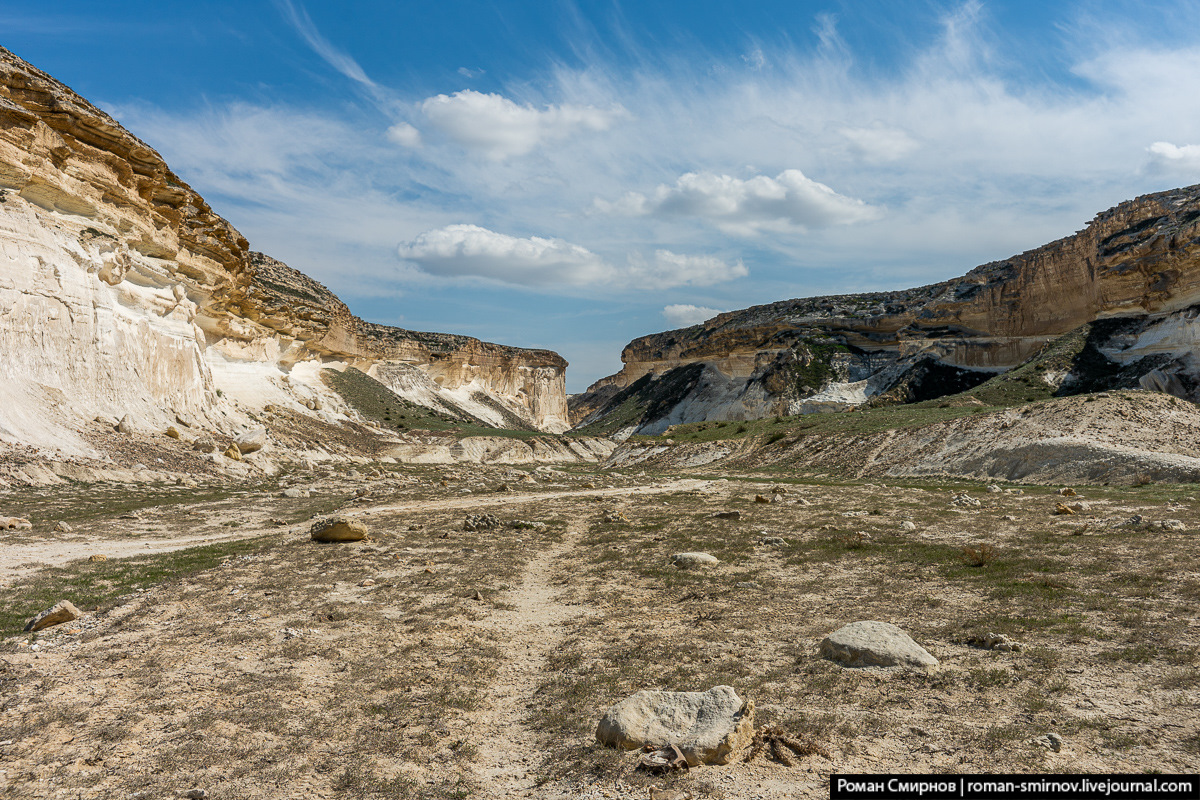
point(471, 251)
point(789, 201)
point(500, 128)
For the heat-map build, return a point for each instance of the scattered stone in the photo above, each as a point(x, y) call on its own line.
point(1008, 518)
point(251, 441)
point(994, 489)
point(747, 585)
point(708, 727)
point(1051, 741)
point(908, 525)
point(875, 644)
point(689, 560)
point(173, 432)
point(338, 529)
point(15, 524)
point(612, 517)
point(125, 425)
point(480, 522)
point(367, 582)
point(758, 498)
point(1068, 492)
point(293, 492)
point(95, 557)
point(964, 500)
point(61, 527)
point(60, 612)
point(994, 641)
point(1062, 509)
point(773, 541)
point(233, 454)
point(204, 444)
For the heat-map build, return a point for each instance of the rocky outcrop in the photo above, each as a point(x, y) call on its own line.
point(123, 293)
point(1138, 261)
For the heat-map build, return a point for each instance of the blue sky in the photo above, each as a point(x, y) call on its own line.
point(572, 175)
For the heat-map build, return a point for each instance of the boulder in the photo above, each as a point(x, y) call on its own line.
point(233, 453)
point(338, 529)
point(15, 524)
point(293, 492)
point(61, 527)
point(126, 424)
point(173, 432)
point(908, 525)
point(688, 560)
point(707, 727)
point(251, 441)
point(875, 644)
point(60, 612)
point(727, 515)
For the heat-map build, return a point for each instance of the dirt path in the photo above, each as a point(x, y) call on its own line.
point(22, 558)
point(529, 632)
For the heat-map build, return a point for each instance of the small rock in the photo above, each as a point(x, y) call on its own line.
point(773, 541)
point(96, 557)
point(61, 527)
point(776, 498)
point(1008, 518)
point(251, 441)
point(1062, 509)
point(994, 641)
point(173, 432)
point(875, 644)
point(1068, 492)
point(504, 487)
point(708, 727)
point(15, 524)
point(1051, 741)
point(964, 500)
point(338, 529)
point(747, 585)
point(293, 492)
point(233, 454)
point(126, 424)
point(478, 595)
point(613, 517)
point(688, 560)
point(480, 522)
point(758, 498)
point(994, 489)
point(195, 794)
point(1173, 525)
point(727, 515)
point(908, 525)
point(367, 582)
point(204, 444)
point(184, 420)
point(60, 612)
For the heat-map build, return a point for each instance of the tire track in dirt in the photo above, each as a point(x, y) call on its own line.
point(529, 631)
point(19, 559)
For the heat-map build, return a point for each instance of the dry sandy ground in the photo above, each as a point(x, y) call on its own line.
point(431, 661)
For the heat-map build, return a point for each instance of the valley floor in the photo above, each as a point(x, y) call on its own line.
point(221, 649)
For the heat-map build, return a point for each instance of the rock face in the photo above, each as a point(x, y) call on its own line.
point(708, 727)
point(123, 293)
point(875, 644)
point(60, 612)
point(1136, 266)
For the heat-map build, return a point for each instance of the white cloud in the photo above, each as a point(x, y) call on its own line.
point(467, 72)
point(470, 251)
point(404, 135)
point(501, 128)
point(684, 316)
point(788, 201)
point(300, 20)
point(879, 144)
point(1167, 154)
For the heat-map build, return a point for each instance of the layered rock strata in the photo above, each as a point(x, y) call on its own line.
point(1139, 261)
point(124, 295)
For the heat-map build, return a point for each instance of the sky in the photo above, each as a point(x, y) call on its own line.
point(572, 175)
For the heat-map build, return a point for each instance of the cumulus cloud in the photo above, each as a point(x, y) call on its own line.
point(500, 128)
point(788, 201)
point(1167, 154)
point(471, 251)
point(404, 135)
point(683, 316)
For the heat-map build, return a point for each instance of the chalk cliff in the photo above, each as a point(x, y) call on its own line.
point(123, 292)
point(1139, 262)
